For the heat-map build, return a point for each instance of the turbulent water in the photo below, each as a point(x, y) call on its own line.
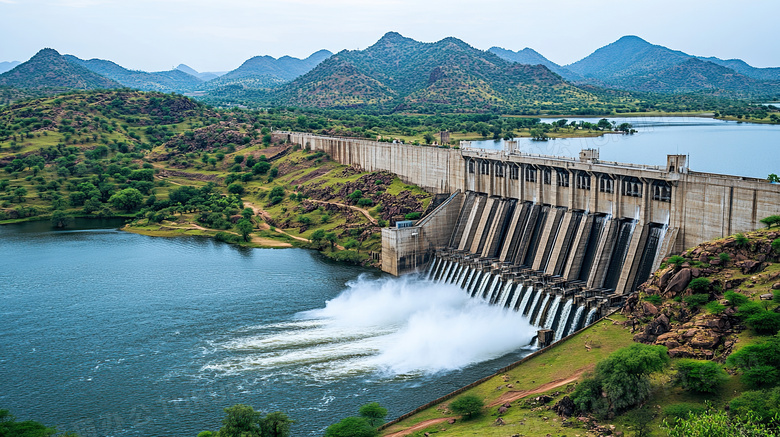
point(114, 334)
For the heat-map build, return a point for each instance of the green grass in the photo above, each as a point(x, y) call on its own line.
point(555, 364)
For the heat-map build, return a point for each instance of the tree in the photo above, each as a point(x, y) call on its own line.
point(717, 424)
point(245, 227)
point(241, 421)
point(317, 237)
point(700, 376)
point(374, 413)
point(261, 167)
point(765, 404)
point(428, 138)
point(351, 427)
point(468, 405)
point(772, 220)
point(59, 219)
point(538, 134)
point(276, 424)
point(773, 177)
point(331, 238)
point(236, 188)
point(128, 199)
point(19, 193)
point(759, 362)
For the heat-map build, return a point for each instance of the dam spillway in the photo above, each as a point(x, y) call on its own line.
point(581, 229)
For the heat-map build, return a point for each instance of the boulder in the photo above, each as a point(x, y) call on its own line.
point(776, 286)
point(679, 282)
point(749, 266)
point(660, 325)
point(666, 275)
point(565, 407)
point(502, 410)
point(649, 308)
point(767, 296)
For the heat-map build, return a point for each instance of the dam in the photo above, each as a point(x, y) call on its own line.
point(561, 239)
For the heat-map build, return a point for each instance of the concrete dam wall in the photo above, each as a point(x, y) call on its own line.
point(580, 229)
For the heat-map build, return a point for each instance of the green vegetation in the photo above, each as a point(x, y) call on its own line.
point(9, 427)
point(243, 421)
point(700, 376)
point(469, 406)
point(371, 416)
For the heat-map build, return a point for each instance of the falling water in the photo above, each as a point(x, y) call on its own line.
point(463, 272)
point(446, 271)
point(465, 282)
point(524, 306)
point(538, 320)
point(431, 268)
point(516, 298)
point(505, 294)
point(591, 317)
point(575, 322)
point(548, 322)
point(562, 325)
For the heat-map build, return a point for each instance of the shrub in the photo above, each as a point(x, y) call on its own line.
point(365, 202)
point(676, 261)
point(351, 427)
point(741, 239)
point(236, 188)
point(764, 323)
point(765, 404)
point(724, 257)
point(654, 299)
point(714, 423)
point(697, 300)
point(412, 216)
point(700, 376)
point(699, 285)
point(227, 237)
point(682, 410)
point(772, 220)
point(776, 244)
point(759, 362)
point(749, 309)
point(468, 405)
point(715, 307)
point(736, 299)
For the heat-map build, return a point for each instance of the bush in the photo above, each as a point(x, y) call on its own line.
point(715, 307)
point(676, 261)
point(713, 423)
point(736, 299)
point(682, 410)
point(759, 362)
point(351, 427)
point(724, 257)
point(772, 220)
point(741, 239)
point(468, 405)
point(365, 202)
point(764, 323)
point(654, 299)
point(697, 300)
point(699, 285)
point(776, 244)
point(765, 404)
point(622, 377)
point(412, 216)
point(700, 376)
point(236, 188)
point(227, 237)
point(749, 309)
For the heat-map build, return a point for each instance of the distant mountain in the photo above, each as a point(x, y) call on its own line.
point(267, 71)
point(742, 67)
point(8, 65)
point(628, 56)
point(49, 69)
point(405, 73)
point(163, 81)
point(202, 76)
point(696, 75)
point(532, 57)
point(634, 64)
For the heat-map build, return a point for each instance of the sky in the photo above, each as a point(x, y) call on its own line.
point(218, 35)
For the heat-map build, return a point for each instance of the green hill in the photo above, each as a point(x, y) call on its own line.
point(163, 81)
point(49, 69)
point(404, 74)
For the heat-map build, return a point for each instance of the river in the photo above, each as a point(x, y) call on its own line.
point(713, 146)
point(107, 333)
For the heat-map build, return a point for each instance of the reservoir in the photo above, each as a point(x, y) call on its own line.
point(714, 146)
point(108, 333)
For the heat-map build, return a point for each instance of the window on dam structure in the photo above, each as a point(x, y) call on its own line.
point(632, 187)
point(583, 180)
point(499, 170)
point(563, 178)
point(514, 172)
point(471, 167)
point(530, 174)
point(662, 191)
point(547, 176)
point(484, 167)
point(606, 184)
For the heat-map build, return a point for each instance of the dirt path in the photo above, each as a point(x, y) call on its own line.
point(422, 425)
point(356, 208)
point(512, 396)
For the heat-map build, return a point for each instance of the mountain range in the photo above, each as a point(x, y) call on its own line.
point(399, 72)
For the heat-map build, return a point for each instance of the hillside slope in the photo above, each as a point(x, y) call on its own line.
point(162, 81)
point(49, 69)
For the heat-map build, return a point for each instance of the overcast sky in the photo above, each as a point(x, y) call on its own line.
point(211, 35)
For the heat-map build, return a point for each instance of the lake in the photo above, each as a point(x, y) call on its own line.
point(713, 146)
point(107, 333)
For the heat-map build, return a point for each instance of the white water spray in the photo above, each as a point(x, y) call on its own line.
point(398, 326)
